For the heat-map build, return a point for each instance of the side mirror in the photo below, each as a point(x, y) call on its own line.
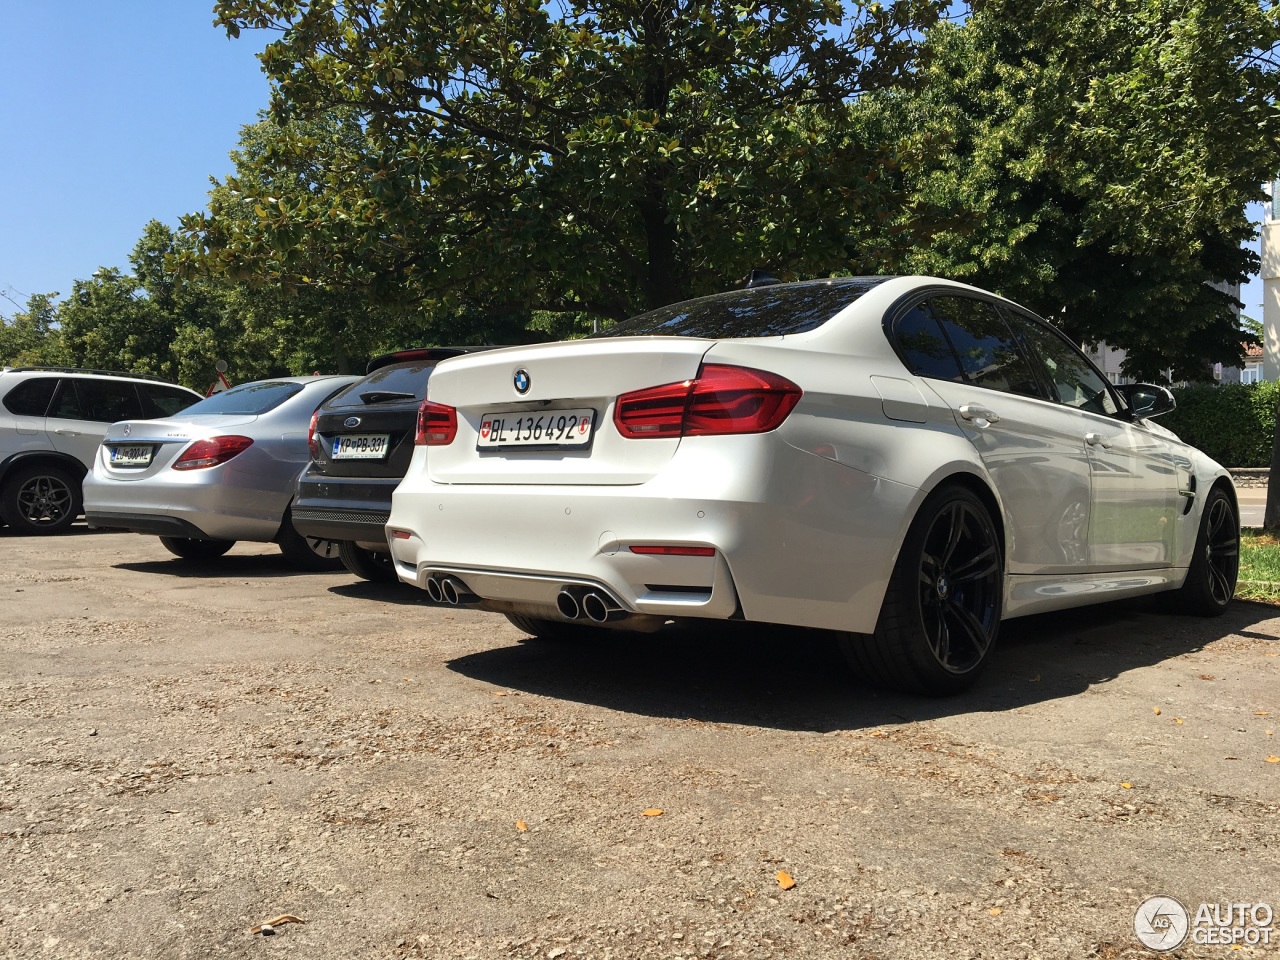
point(1147, 399)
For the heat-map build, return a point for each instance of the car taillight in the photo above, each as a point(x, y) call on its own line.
point(313, 445)
point(437, 425)
point(722, 399)
point(211, 452)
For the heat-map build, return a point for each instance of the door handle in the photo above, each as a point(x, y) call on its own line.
point(979, 415)
point(68, 433)
point(1097, 440)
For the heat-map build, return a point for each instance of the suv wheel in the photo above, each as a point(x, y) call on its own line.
point(40, 499)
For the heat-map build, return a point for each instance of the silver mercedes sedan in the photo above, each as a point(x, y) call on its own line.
point(223, 470)
point(906, 461)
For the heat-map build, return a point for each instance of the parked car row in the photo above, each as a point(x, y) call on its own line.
point(903, 461)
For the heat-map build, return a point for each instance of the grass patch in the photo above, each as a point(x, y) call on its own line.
point(1259, 566)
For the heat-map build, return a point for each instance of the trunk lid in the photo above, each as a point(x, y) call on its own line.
point(559, 378)
point(147, 447)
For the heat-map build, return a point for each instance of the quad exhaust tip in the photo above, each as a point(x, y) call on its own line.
point(449, 590)
point(596, 606)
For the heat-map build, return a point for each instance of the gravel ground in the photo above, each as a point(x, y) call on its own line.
point(187, 752)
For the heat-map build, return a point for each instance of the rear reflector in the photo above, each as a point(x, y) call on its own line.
point(211, 452)
point(721, 400)
point(672, 550)
point(400, 534)
point(437, 425)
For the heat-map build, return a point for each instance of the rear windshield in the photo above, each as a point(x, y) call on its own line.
point(770, 311)
point(249, 399)
point(402, 383)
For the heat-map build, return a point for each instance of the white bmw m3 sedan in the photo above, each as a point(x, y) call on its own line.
point(904, 460)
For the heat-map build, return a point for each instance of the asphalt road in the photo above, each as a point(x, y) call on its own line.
point(187, 752)
point(1253, 503)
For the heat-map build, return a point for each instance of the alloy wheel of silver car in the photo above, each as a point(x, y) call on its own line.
point(40, 499)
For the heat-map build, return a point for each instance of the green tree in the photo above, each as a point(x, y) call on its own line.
point(600, 157)
point(1098, 161)
point(32, 337)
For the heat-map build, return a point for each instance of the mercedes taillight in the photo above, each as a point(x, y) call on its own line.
point(211, 452)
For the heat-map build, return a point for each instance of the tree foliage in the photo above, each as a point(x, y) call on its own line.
point(1100, 157)
point(596, 155)
point(32, 337)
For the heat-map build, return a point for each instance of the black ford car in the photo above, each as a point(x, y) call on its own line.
point(361, 441)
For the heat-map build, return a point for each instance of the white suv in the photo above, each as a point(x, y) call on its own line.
point(52, 420)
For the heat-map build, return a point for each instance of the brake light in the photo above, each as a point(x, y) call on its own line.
point(437, 425)
point(671, 550)
point(211, 452)
point(722, 399)
point(313, 446)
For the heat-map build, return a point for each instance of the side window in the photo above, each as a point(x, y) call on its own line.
point(923, 346)
point(988, 352)
point(162, 401)
point(1074, 380)
point(31, 397)
point(105, 401)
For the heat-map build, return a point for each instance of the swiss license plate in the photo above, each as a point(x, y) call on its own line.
point(131, 456)
point(543, 428)
point(369, 447)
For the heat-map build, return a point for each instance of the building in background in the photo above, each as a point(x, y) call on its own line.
point(1271, 285)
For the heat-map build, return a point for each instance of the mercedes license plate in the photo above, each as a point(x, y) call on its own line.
point(369, 447)
point(545, 428)
point(138, 455)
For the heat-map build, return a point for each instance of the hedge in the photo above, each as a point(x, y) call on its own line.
point(1234, 423)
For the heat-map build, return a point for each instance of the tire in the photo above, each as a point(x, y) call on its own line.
point(312, 554)
point(941, 611)
point(1215, 566)
point(196, 549)
point(367, 564)
point(551, 630)
point(40, 499)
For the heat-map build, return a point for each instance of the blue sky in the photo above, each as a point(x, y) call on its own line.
point(112, 114)
point(117, 113)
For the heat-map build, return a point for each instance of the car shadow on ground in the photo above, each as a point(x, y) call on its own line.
point(262, 566)
point(399, 593)
point(793, 679)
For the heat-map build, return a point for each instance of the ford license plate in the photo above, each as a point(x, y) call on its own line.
point(369, 447)
point(543, 428)
point(138, 455)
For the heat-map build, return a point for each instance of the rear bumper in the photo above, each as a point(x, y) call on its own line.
point(201, 511)
point(337, 508)
point(797, 538)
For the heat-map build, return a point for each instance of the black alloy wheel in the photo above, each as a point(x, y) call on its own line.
point(1215, 565)
point(941, 613)
point(40, 499)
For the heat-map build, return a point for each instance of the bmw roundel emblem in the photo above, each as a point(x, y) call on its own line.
point(351, 422)
point(522, 381)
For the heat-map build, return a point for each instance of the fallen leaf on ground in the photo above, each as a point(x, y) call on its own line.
point(1207, 676)
point(1156, 711)
point(521, 826)
point(995, 911)
point(1127, 785)
point(784, 880)
point(1261, 713)
point(1178, 721)
point(1273, 759)
point(653, 812)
